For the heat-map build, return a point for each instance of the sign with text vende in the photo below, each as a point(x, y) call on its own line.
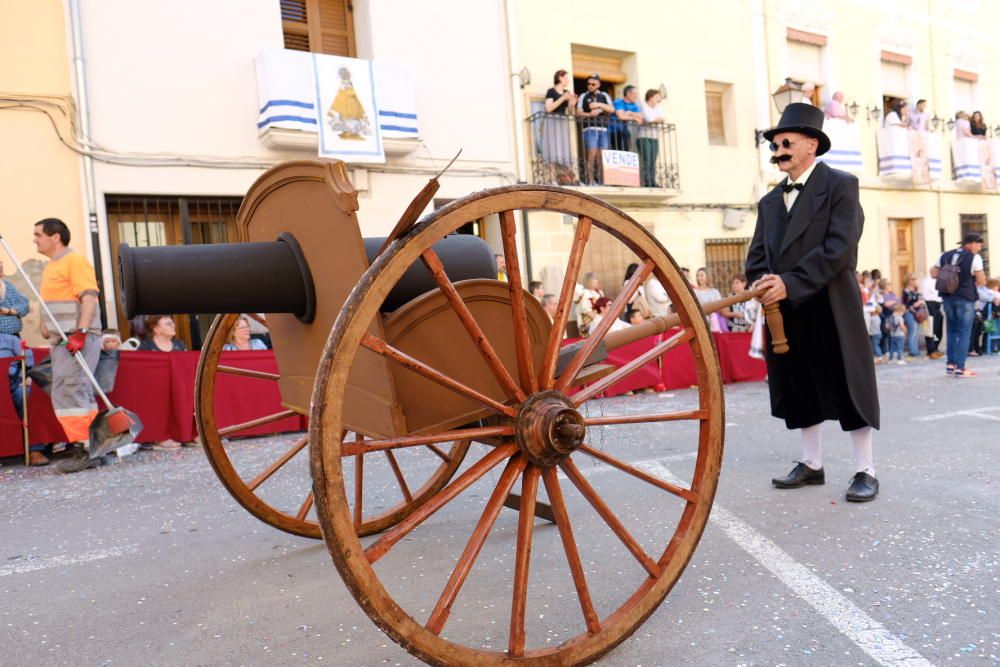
point(620, 167)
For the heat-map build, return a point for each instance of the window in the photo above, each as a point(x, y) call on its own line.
point(965, 90)
point(718, 103)
point(144, 222)
point(805, 59)
point(895, 77)
point(725, 258)
point(322, 26)
point(976, 222)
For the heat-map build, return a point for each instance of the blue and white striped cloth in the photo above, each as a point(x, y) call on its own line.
point(286, 94)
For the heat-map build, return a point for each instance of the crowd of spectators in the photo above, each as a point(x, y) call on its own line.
point(899, 321)
point(627, 123)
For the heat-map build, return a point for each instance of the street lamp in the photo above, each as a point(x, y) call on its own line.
point(935, 122)
point(874, 113)
point(524, 76)
point(950, 124)
point(853, 109)
point(662, 90)
point(788, 92)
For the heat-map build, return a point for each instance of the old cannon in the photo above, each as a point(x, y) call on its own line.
point(408, 355)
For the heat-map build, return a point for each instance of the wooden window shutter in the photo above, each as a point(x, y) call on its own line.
point(322, 26)
point(716, 125)
point(331, 27)
point(295, 24)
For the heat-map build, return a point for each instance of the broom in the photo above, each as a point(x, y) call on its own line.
point(118, 419)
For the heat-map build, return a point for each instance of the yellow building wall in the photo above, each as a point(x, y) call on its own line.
point(39, 176)
point(743, 43)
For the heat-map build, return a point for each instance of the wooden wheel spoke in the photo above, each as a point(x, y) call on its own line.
point(437, 450)
point(482, 530)
point(522, 559)
point(434, 265)
point(678, 338)
point(246, 372)
point(583, 227)
point(399, 475)
point(554, 492)
point(253, 423)
point(609, 517)
point(597, 335)
point(687, 415)
point(282, 460)
point(428, 440)
point(381, 347)
point(686, 494)
point(389, 538)
point(522, 341)
point(305, 507)
point(359, 488)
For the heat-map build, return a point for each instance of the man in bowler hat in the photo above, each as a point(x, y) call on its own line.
point(805, 250)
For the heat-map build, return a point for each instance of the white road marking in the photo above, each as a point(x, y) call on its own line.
point(977, 412)
point(871, 636)
point(60, 561)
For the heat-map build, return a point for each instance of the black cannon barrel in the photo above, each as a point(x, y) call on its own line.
point(217, 278)
point(464, 257)
point(267, 277)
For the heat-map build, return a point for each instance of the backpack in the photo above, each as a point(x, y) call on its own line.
point(947, 280)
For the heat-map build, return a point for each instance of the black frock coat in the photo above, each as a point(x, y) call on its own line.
point(828, 372)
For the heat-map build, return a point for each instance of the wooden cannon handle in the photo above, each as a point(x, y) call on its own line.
point(657, 325)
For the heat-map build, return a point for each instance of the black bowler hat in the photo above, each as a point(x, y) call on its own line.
point(804, 119)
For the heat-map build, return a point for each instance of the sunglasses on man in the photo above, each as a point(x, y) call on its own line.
point(785, 143)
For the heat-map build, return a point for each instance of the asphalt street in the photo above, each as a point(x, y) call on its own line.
point(151, 562)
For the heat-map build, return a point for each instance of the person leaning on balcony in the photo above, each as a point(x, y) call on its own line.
point(918, 117)
point(963, 129)
point(649, 138)
point(804, 250)
point(898, 115)
point(593, 108)
point(836, 108)
point(560, 100)
point(626, 111)
point(977, 125)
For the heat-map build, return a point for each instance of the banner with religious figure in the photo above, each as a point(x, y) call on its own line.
point(347, 111)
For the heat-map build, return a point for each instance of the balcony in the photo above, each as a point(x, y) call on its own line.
point(609, 158)
point(287, 101)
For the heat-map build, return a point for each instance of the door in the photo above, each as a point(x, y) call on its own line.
point(901, 258)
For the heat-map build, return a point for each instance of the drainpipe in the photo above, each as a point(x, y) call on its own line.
point(763, 84)
point(520, 169)
point(93, 238)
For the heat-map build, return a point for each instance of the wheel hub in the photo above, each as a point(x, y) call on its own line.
point(548, 428)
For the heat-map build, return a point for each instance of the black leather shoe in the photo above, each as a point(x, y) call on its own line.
point(800, 476)
point(863, 488)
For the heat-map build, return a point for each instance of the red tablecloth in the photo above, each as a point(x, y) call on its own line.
point(159, 387)
point(677, 368)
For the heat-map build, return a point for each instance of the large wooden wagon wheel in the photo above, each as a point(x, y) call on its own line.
point(542, 435)
point(437, 462)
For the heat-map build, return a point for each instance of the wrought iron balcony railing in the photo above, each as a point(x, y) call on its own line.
point(594, 151)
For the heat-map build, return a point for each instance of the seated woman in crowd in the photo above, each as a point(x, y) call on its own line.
point(601, 306)
point(162, 338)
point(239, 338)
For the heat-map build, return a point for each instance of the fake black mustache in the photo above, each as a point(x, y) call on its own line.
point(775, 159)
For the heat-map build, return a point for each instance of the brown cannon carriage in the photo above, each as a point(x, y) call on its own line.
point(410, 354)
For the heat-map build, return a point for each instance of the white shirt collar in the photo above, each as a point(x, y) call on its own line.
point(804, 176)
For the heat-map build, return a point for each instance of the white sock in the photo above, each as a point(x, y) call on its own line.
point(812, 447)
point(862, 440)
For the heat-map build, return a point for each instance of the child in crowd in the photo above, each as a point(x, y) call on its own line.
point(897, 333)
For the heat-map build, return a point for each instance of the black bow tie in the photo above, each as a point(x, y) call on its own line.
point(788, 187)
